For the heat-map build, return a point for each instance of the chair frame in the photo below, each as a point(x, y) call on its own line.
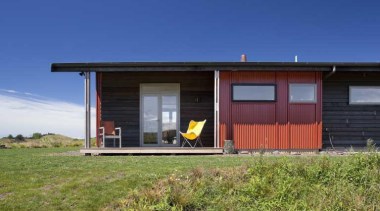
point(198, 140)
point(114, 137)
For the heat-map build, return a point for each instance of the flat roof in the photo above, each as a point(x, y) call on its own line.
point(212, 66)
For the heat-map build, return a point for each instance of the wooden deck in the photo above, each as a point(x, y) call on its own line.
point(152, 150)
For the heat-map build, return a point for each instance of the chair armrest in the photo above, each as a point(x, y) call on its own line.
point(119, 130)
point(101, 130)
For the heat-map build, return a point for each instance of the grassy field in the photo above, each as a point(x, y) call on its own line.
point(269, 183)
point(45, 179)
point(57, 179)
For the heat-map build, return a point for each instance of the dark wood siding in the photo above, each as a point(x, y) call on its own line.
point(121, 94)
point(349, 125)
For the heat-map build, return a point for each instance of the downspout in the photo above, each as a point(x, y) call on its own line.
point(327, 130)
point(331, 73)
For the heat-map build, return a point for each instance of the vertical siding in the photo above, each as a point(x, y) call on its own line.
point(255, 118)
point(225, 107)
point(282, 111)
point(222, 134)
point(270, 125)
point(304, 133)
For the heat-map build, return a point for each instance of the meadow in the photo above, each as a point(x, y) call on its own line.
point(60, 179)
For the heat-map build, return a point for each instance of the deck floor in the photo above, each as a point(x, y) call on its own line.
point(153, 150)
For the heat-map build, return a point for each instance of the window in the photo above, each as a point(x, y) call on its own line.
point(253, 92)
point(302, 93)
point(365, 95)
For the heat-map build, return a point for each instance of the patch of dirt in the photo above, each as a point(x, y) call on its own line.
point(47, 187)
point(68, 153)
point(3, 195)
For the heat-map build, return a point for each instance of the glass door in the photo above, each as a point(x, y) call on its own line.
point(150, 119)
point(159, 115)
point(169, 120)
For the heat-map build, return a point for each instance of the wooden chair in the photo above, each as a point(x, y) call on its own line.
point(108, 131)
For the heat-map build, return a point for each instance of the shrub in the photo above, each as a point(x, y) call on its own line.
point(56, 144)
point(10, 136)
point(371, 145)
point(19, 137)
point(37, 136)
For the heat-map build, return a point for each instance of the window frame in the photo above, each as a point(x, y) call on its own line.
point(254, 84)
point(360, 103)
point(300, 101)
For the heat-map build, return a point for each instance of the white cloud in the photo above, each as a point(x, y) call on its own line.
point(26, 113)
point(9, 90)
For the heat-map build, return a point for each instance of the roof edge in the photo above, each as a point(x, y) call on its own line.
point(211, 66)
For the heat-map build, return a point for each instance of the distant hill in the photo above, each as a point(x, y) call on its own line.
point(45, 141)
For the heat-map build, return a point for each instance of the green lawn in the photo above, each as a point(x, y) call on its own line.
point(41, 179)
point(54, 179)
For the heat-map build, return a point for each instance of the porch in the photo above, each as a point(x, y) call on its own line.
point(152, 107)
point(152, 151)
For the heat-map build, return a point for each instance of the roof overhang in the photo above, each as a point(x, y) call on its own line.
point(212, 66)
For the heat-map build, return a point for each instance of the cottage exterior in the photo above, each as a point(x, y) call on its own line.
point(258, 105)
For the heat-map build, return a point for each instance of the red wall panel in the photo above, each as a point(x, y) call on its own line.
point(270, 125)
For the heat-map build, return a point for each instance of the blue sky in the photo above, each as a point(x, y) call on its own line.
point(34, 34)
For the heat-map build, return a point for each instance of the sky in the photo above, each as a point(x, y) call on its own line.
point(34, 34)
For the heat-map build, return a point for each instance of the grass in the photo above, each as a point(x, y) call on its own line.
point(44, 179)
point(285, 183)
point(54, 179)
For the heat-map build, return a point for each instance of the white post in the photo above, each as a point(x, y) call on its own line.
point(87, 139)
point(216, 109)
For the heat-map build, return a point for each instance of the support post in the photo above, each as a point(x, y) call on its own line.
point(87, 140)
point(216, 109)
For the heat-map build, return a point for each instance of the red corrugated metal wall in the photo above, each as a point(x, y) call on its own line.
point(271, 125)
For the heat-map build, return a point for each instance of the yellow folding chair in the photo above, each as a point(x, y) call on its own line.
point(193, 133)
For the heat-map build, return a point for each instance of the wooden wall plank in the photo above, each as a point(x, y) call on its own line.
point(349, 125)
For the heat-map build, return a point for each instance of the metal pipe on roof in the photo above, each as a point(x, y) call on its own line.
point(243, 58)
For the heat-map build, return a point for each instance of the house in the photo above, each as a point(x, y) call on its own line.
point(258, 105)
